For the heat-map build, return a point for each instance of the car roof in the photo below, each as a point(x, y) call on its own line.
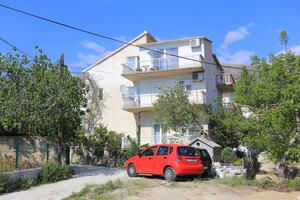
point(172, 145)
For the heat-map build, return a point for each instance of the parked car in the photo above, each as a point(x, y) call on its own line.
point(206, 160)
point(168, 160)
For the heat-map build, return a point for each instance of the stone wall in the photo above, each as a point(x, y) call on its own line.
point(29, 152)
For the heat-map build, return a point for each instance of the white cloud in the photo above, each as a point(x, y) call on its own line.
point(238, 57)
point(241, 56)
point(95, 53)
point(296, 49)
point(236, 35)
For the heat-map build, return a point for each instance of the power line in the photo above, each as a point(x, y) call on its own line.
point(14, 47)
point(99, 35)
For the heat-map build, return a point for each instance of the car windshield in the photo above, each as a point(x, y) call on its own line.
point(186, 151)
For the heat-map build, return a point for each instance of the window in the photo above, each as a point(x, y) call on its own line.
point(149, 152)
point(188, 89)
point(133, 62)
point(163, 150)
point(186, 151)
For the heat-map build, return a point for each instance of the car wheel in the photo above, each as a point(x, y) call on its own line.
point(170, 174)
point(131, 171)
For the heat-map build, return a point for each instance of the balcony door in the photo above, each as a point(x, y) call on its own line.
point(172, 61)
point(159, 136)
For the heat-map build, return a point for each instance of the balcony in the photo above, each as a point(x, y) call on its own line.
point(144, 102)
point(225, 82)
point(162, 67)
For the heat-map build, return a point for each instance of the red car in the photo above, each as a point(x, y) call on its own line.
point(168, 160)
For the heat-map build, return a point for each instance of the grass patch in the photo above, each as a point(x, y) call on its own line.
point(113, 190)
point(294, 184)
point(50, 172)
point(238, 181)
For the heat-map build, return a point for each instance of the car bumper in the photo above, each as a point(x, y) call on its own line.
point(185, 169)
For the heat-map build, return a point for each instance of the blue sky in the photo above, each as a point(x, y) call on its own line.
point(237, 28)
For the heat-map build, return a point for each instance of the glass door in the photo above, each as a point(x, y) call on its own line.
point(172, 61)
point(157, 138)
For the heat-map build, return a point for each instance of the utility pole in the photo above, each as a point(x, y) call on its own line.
point(60, 123)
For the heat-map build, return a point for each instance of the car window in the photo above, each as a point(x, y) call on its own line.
point(204, 153)
point(186, 151)
point(149, 152)
point(163, 150)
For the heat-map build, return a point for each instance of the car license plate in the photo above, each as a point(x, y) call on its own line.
point(191, 160)
point(205, 167)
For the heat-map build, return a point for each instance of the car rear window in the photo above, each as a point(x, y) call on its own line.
point(202, 153)
point(186, 151)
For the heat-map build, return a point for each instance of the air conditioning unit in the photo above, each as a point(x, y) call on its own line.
point(199, 76)
point(195, 42)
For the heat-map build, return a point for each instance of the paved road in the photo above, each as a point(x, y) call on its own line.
point(55, 191)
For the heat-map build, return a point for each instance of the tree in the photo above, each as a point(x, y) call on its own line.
point(32, 102)
point(225, 126)
point(174, 110)
point(284, 38)
point(271, 94)
point(94, 105)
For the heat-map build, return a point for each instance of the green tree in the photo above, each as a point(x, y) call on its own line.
point(174, 110)
point(35, 101)
point(284, 38)
point(271, 94)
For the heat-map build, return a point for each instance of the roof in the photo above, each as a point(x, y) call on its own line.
point(119, 49)
point(205, 141)
point(175, 41)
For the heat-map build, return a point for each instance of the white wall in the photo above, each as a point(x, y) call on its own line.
point(108, 76)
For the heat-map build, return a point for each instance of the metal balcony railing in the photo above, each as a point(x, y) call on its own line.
point(148, 100)
point(158, 64)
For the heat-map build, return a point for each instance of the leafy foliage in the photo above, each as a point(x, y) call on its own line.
point(34, 100)
point(53, 172)
point(228, 156)
point(174, 110)
point(103, 139)
point(271, 94)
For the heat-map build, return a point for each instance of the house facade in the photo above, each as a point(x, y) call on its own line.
point(132, 77)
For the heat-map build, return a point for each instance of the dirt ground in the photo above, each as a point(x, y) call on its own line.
point(154, 189)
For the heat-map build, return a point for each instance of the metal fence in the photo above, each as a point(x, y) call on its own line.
point(24, 153)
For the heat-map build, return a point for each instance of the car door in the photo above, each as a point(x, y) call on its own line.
point(161, 159)
point(145, 163)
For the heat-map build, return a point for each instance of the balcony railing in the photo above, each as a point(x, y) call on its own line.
point(148, 100)
point(225, 79)
point(229, 106)
point(159, 64)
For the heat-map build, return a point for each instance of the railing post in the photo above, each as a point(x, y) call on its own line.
point(47, 152)
point(17, 156)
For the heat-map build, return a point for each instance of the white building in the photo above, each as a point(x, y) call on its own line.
point(132, 77)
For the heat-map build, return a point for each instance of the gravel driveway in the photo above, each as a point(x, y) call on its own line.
point(54, 191)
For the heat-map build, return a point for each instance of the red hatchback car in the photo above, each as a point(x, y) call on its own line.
point(168, 160)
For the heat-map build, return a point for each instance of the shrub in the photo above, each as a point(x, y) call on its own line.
point(294, 184)
point(5, 183)
point(238, 162)
point(228, 156)
point(53, 172)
